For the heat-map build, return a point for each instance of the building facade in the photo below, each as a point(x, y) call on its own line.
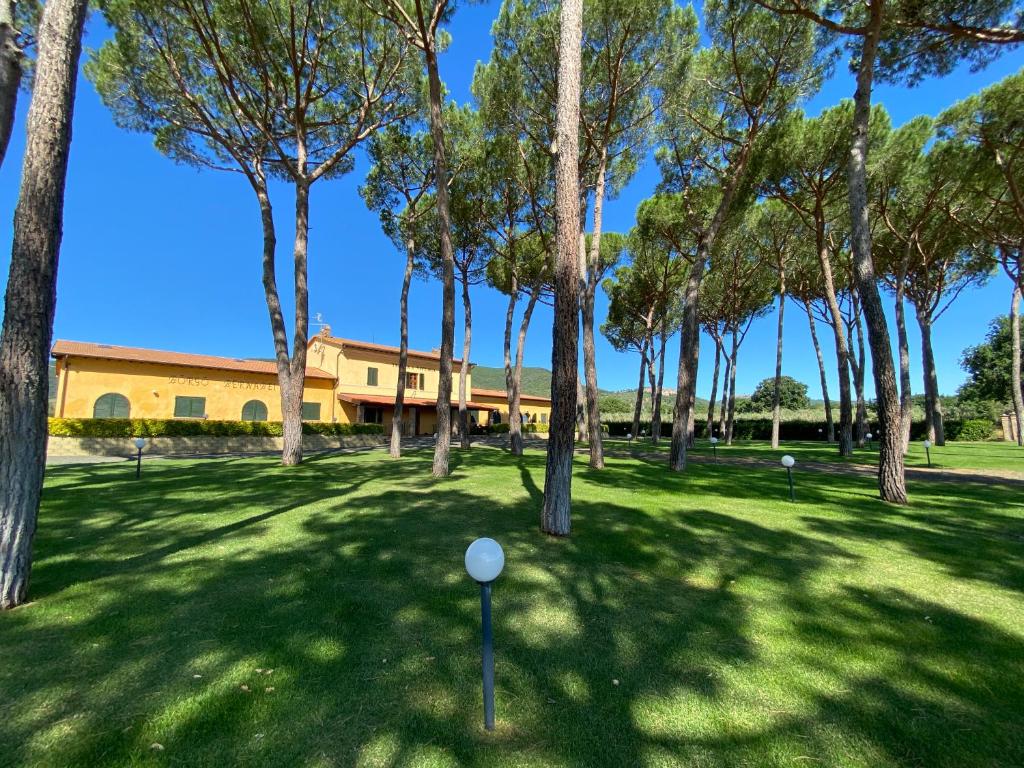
point(347, 381)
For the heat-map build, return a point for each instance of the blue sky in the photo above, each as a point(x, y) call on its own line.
point(165, 256)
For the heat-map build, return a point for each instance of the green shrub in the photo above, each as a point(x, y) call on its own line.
point(974, 429)
point(534, 428)
point(198, 428)
point(499, 429)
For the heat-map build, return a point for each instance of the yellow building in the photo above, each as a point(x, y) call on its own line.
point(347, 381)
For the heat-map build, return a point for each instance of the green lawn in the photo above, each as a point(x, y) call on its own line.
point(953, 455)
point(691, 620)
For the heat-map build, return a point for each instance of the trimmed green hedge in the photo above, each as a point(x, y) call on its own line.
point(197, 428)
point(534, 428)
point(761, 429)
point(499, 429)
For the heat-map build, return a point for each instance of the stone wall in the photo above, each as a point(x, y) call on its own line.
point(201, 445)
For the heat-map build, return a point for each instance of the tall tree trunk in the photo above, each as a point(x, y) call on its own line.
point(11, 57)
point(688, 350)
point(589, 292)
point(731, 420)
point(777, 389)
point(714, 388)
point(932, 403)
point(652, 379)
point(906, 401)
point(842, 349)
point(515, 428)
point(511, 395)
point(656, 404)
point(891, 480)
point(444, 230)
point(293, 382)
point(829, 423)
point(556, 513)
point(467, 339)
point(403, 351)
point(639, 404)
point(1015, 383)
point(859, 371)
point(724, 409)
point(32, 292)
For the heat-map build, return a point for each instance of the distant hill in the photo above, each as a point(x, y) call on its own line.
point(535, 381)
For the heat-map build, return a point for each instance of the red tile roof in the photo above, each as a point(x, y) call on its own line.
point(380, 348)
point(358, 398)
point(502, 393)
point(62, 348)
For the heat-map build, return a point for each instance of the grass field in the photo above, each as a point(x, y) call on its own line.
point(953, 455)
point(237, 613)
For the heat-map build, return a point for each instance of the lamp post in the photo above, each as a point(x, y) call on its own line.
point(629, 439)
point(714, 447)
point(927, 451)
point(484, 562)
point(140, 443)
point(869, 436)
point(788, 462)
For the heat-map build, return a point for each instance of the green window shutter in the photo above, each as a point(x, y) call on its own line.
point(182, 407)
point(311, 411)
point(198, 407)
point(254, 410)
point(111, 406)
point(371, 377)
point(423, 381)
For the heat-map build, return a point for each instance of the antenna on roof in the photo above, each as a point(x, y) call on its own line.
point(324, 328)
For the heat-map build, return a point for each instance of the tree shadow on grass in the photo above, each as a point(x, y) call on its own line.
point(348, 583)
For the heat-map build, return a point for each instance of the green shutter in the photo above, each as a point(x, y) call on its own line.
point(182, 407)
point(311, 411)
point(371, 377)
point(254, 410)
point(111, 406)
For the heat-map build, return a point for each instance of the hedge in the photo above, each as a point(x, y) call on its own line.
point(197, 428)
point(761, 429)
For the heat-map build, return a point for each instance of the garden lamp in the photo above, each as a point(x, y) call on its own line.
point(927, 451)
point(714, 447)
point(484, 562)
point(788, 462)
point(869, 436)
point(629, 439)
point(140, 443)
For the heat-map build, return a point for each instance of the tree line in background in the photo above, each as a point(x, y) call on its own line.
point(756, 201)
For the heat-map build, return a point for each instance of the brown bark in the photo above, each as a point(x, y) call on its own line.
point(587, 307)
point(858, 368)
point(777, 389)
point(891, 480)
point(515, 421)
point(829, 423)
point(467, 339)
point(932, 401)
point(724, 407)
point(906, 402)
point(656, 403)
point(842, 349)
point(639, 404)
point(11, 57)
point(444, 226)
point(1015, 382)
point(32, 292)
point(688, 347)
point(515, 434)
point(714, 387)
point(403, 351)
point(731, 419)
point(556, 513)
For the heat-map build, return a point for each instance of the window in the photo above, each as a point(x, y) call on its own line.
point(371, 377)
point(496, 417)
point(543, 418)
point(414, 380)
point(311, 411)
point(373, 415)
point(189, 407)
point(254, 410)
point(111, 406)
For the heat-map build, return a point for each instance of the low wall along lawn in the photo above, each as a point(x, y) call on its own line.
point(114, 437)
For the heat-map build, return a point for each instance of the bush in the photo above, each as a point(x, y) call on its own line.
point(197, 428)
point(975, 429)
point(534, 428)
point(499, 429)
